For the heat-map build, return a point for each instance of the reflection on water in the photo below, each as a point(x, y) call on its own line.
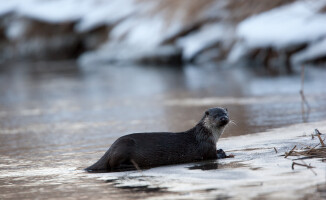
point(205, 166)
point(56, 118)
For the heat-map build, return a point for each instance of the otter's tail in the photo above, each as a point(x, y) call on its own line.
point(102, 165)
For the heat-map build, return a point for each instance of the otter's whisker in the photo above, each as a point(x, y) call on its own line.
point(233, 122)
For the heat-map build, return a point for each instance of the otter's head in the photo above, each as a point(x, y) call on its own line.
point(215, 120)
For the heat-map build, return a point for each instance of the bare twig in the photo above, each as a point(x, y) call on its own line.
point(303, 98)
point(313, 171)
point(321, 141)
point(317, 132)
point(287, 154)
point(310, 153)
point(275, 150)
point(315, 146)
point(303, 165)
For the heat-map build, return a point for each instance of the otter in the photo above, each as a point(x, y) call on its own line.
point(146, 150)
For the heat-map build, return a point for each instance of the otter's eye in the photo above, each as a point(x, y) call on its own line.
point(206, 113)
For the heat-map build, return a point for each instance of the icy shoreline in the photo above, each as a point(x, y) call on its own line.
point(256, 168)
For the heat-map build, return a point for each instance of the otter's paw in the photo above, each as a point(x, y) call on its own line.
point(220, 154)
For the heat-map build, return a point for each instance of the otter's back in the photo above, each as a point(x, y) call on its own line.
point(153, 149)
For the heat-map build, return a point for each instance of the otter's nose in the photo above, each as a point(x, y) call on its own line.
point(224, 120)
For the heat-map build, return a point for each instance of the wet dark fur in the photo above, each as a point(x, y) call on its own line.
point(154, 149)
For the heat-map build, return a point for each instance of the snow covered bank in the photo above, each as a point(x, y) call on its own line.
point(292, 24)
point(273, 33)
point(282, 34)
point(60, 29)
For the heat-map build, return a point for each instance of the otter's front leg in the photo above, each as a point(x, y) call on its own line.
point(220, 154)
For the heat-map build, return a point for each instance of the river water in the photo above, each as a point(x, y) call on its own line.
point(57, 118)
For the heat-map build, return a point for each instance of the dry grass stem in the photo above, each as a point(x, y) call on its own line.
point(321, 141)
point(316, 145)
point(275, 150)
point(310, 167)
point(309, 152)
point(317, 132)
point(304, 165)
point(304, 102)
point(317, 153)
point(287, 154)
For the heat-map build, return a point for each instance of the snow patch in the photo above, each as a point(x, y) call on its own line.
point(54, 11)
point(106, 13)
point(207, 36)
point(314, 51)
point(292, 24)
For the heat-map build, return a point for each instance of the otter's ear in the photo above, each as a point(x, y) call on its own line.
point(206, 113)
point(226, 109)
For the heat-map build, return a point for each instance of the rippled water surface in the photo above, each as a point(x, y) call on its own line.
point(58, 118)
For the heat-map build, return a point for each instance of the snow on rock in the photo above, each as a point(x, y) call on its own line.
point(137, 39)
point(107, 13)
point(54, 11)
point(7, 6)
point(16, 29)
point(47, 11)
point(207, 36)
point(88, 13)
point(314, 51)
point(34, 26)
point(293, 24)
point(116, 52)
point(142, 31)
point(144, 35)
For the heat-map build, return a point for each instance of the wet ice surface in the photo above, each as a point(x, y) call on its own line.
point(56, 119)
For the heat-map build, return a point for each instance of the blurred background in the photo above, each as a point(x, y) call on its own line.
point(274, 35)
point(77, 74)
